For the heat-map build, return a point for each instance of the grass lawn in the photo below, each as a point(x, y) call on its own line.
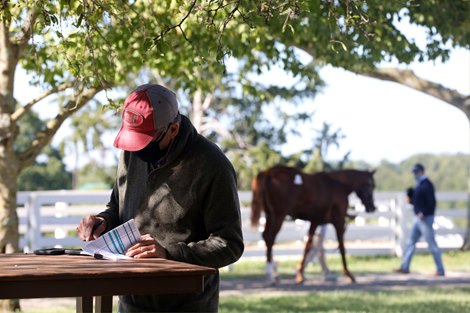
point(412, 301)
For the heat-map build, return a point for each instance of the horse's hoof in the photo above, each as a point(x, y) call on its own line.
point(351, 277)
point(299, 280)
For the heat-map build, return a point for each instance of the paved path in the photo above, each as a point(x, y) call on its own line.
point(367, 282)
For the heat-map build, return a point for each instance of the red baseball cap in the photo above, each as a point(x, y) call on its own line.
point(147, 109)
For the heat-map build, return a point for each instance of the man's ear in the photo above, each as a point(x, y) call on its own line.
point(174, 130)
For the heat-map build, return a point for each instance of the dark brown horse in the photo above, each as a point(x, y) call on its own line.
point(320, 198)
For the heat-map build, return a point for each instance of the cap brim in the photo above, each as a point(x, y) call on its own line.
point(132, 141)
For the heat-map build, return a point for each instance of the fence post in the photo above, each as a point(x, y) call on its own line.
point(33, 229)
point(60, 208)
point(400, 226)
point(396, 226)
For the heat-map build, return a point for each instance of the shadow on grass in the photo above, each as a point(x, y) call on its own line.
point(420, 300)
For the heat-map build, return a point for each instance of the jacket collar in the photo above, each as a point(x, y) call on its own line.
point(179, 146)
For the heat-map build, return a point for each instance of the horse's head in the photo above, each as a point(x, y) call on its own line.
point(365, 191)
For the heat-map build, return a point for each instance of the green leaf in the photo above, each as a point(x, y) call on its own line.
point(79, 21)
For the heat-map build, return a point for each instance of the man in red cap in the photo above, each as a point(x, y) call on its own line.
point(181, 190)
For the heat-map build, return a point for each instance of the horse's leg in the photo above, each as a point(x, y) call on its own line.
point(300, 277)
point(270, 265)
point(340, 229)
point(271, 229)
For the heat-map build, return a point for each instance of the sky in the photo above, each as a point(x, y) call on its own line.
point(387, 121)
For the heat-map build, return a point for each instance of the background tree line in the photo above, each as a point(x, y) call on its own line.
point(448, 171)
point(261, 150)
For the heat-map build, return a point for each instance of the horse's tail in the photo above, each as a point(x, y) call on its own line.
point(258, 188)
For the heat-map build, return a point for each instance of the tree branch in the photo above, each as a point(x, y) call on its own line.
point(410, 79)
point(211, 124)
point(179, 25)
point(8, 61)
point(27, 28)
point(76, 102)
point(22, 111)
point(207, 102)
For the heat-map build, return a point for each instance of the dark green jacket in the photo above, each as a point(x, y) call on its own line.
point(189, 205)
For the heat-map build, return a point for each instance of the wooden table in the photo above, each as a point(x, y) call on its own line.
point(42, 276)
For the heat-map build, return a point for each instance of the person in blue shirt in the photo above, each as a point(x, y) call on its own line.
point(423, 199)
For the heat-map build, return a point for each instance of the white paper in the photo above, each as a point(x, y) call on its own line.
point(114, 243)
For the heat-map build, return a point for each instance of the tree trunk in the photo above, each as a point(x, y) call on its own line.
point(197, 110)
point(9, 234)
point(9, 230)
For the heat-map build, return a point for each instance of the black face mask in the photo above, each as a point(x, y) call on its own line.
point(152, 152)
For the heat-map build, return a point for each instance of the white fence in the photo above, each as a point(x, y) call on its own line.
point(49, 219)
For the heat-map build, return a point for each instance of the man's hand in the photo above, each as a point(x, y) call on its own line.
point(148, 247)
point(91, 227)
point(420, 215)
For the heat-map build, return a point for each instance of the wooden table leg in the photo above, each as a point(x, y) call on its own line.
point(104, 304)
point(84, 304)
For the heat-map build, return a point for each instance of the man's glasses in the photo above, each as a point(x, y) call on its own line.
point(161, 133)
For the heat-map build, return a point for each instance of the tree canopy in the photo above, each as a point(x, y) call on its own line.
point(80, 48)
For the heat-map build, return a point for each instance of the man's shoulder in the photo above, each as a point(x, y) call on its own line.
point(428, 181)
point(207, 145)
point(426, 184)
point(210, 151)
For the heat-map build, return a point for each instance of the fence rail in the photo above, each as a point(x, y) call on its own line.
point(49, 219)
